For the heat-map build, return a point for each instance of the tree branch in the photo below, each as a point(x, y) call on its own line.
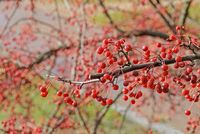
point(135, 32)
point(45, 56)
point(102, 115)
point(124, 118)
point(185, 12)
point(149, 64)
point(58, 15)
point(109, 17)
point(10, 18)
point(149, 33)
point(75, 82)
point(60, 121)
point(166, 19)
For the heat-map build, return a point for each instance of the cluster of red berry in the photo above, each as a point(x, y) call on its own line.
point(161, 82)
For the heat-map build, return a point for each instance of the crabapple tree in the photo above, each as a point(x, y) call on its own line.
point(73, 53)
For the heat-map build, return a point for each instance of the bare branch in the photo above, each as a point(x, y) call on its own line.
point(73, 81)
point(166, 19)
point(149, 33)
point(32, 19)
point(10, 18)
point(142, 32)
point(124, 118)
point(82, 30)
point(83, 120)
point(185, 12)
point(109, 17)
point(45, 56)
point(102, 115)
point(52, 117)
point(60, 121)
point(58, 15)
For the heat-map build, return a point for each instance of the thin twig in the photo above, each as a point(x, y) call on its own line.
point(124, 117)
point(10, 18)
point(58, 15)
point(80, 54)
point(102, 115)
point(167, 20)
point(141, 32)
point(109, 17)
point(45, 56)
point(185, 12)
